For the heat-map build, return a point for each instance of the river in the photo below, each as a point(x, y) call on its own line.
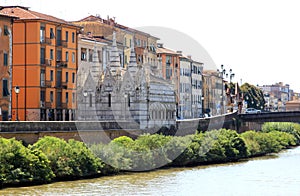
point(268, 175)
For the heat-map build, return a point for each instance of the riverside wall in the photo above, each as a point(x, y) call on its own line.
point(104, 131)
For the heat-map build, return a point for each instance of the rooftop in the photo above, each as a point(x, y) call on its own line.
point(23, 13)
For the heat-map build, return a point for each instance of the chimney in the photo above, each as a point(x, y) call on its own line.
point(179, 52)
point(160, 45)
point(189, 56)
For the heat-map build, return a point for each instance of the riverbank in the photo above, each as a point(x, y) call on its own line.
point(51, 159)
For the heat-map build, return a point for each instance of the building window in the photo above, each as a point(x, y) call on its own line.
point(67, 56)
point(125, 41)
point(42, 34)
point(109, 100)
point(42, 96)
point(130, 43)
point(67, 76)
point(51, 33)
point(125, 57)
point(6, 32)
point(58, 55)
point(73, 57)
point(91, 100)
point(73, 78)
point(51, 75)
point(42, 55)
point(67, 36)
point(58, 37)
point(51, 96)
point(168, 60)
point(73, 37)
point(5, 91)
point(73, 97)
point(5, 59)
point(67, 97)
point(99, 56)
point(51, 54)
point(128, 100)
point(42, 77)
point(91, 55)
point(83, 54)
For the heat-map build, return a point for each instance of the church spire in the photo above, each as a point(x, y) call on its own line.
point(132, 66)
point(115, 64)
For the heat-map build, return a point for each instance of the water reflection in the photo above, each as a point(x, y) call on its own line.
point(269, 175)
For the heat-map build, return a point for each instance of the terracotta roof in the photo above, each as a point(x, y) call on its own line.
point(166, 51)
point(6, 15)
point(25, 13)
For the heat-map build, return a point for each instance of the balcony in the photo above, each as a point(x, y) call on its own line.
point(61, 43)
point(42, 104)
point(64, 105)
point(48, 105)
point(43, 83)
point(64, 84)
point(46, 62)
point(48, 83)
point(61, 64)
point(46, 40)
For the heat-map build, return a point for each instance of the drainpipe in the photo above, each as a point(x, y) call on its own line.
point(25, 63)
point(10, 71)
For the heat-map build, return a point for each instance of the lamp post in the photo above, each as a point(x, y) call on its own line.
point(223, 71)
point(17, 91)
point(85, 95)
point(202, 105)
point(231, 76)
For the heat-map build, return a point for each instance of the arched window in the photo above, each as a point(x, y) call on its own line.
point(128, 100)
point(109, 100)
point(91, 100)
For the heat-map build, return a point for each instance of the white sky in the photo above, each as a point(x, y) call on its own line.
point(258, 39)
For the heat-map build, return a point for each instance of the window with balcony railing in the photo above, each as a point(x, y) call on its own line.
point(58, 37)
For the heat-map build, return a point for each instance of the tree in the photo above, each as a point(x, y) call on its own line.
point(253, 96)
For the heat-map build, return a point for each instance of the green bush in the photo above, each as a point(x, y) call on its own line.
point(114, 156)
point(213, 146)
point(85, 162)
point(19, 164)
point(261, 143)
point(68, 160)
point(292, 128)
point(227, 145)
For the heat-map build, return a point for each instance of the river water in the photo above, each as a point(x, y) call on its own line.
point(269, 175)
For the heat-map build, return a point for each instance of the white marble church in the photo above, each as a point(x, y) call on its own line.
point(137, 94)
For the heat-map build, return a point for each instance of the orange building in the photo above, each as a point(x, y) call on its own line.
point(44, 66)
point(170, 67)
point(5, 66)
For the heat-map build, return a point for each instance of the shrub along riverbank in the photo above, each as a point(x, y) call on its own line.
point(52, 159)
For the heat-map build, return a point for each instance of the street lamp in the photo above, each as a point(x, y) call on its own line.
point(85, 95)
point(17, 91)
point(202, 103)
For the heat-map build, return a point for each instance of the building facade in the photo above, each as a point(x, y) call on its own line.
point(213, 92)
point(277, 96)
point(145, 44)
point(190, 88)
point(137, 95)
point(5, 66)
point(197, 85)
point(169, 64)
point(44, 66)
